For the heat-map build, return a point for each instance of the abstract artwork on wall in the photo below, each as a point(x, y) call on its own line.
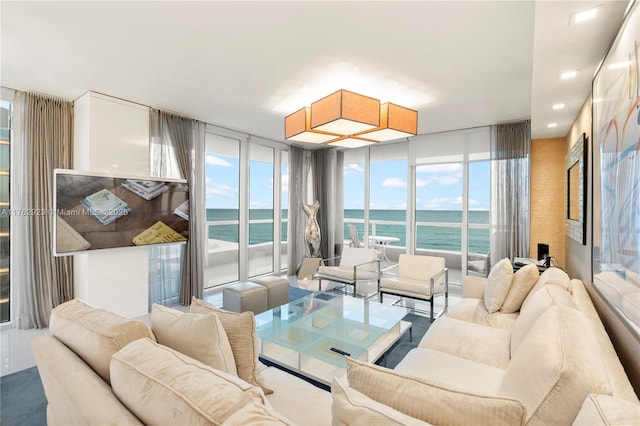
point(616, 166)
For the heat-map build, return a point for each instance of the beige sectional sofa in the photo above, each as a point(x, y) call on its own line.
point(518, 349)
point(98, 368)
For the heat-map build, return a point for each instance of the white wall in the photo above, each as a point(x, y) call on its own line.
point(112, 136)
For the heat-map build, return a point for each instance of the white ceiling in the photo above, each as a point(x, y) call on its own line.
point(245, 65)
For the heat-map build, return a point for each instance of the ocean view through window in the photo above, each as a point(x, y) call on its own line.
point(438, 238)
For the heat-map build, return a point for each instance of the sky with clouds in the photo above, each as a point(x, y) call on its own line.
point(438, 187)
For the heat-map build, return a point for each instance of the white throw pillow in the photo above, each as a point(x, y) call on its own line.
point(552, 276)
point(163, 386)
point(432, 402)
point(243, 337)
point(200, 336)
point(350, 407)
point(521, 284)
point(497, 286)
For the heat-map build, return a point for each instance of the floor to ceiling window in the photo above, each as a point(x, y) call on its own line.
point(284, 209)
point(5, 168)
point(478, 240)
point(439, 207)
point(222, 179)
point(452, 189)
point(388, 198)
point(247, 206)
point(354, 194)
point(261, 229)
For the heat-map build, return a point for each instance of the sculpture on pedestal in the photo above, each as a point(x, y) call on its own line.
point(312, 231)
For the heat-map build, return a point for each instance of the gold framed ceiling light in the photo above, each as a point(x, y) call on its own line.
point(350, 120)
point(297, 128)
point(395, 122)
point(345, 113)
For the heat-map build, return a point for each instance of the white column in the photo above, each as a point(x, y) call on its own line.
point(112, 136)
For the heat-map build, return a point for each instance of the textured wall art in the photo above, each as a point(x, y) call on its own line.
point(616, 155)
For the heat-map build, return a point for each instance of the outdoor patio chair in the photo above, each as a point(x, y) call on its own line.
point(353, 234)
point(419, 277)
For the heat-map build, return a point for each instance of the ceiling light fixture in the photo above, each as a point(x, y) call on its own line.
point(350, 120)
point(558, 106)
point(552, 125)
point(568, 74)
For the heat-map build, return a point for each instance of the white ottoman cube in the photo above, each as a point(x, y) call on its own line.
point(246, 296)
point(277, 289)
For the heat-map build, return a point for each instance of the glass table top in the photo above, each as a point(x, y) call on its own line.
point(327, 326)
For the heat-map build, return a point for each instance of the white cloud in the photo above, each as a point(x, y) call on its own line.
point(420, 183)
point(219, 189)
point(213, 160)
point(285, 183)
point(394, 182)
point(441, 174)
point(446, 180)
point(353, 169)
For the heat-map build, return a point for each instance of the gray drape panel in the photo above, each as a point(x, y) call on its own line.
point(186, 137)
point(299, 161)
point(325, 169)
point(325, 184)
point(43, 141)
point(510, 165)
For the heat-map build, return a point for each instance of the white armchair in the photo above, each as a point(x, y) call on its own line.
point(419, 277)
point(356, 265)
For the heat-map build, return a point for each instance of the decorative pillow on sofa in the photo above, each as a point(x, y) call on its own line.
point(163, 386)
point(553, 276)
point(243, 338)
point(351, 407)
point(431, 402)
point(94, 334)
point(497, 286)
point(200, 336)
point(521, 284)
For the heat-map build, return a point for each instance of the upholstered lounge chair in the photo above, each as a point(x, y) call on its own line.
point(419, 277)
point(356, 265)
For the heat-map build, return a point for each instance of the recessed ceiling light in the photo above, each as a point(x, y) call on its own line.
point(558, 106)
point(551, 125)
point(568, 74)
point(584, 15)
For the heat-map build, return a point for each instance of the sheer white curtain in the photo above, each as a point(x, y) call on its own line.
point(177, 150)
point(43, 129)
point(510, 180)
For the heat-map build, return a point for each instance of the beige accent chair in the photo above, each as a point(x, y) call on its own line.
point(356, 265)
point(419, 277)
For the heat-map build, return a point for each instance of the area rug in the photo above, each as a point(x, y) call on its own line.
point(22, 399)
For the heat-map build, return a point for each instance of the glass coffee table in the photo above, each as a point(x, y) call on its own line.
point(311, 335)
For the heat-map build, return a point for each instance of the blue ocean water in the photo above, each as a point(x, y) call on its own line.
point(428, 237)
